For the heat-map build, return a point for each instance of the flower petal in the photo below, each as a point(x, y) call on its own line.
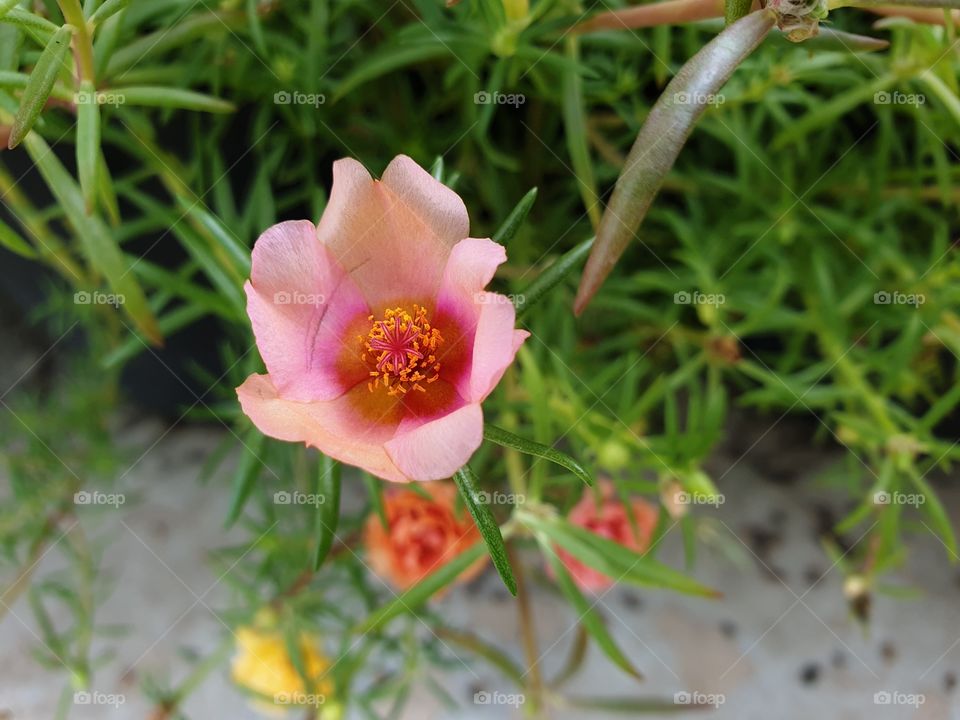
point(436, 205)
point(495, 344)
point(471, 266)
point(301, 304)
point(439, 448)
point(393, 236)
point(486, 319)
point(338, 428)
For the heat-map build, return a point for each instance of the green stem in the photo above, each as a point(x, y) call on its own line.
point(83, 44)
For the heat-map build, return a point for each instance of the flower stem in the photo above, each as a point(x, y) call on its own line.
point(528, 635)
point(83, 45)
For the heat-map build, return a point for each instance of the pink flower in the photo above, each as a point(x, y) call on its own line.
point(609, 520)
point(379, 339)
point(422, 535)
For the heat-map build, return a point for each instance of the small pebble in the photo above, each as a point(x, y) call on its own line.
point(949, 681)
point(728, 628)
point(887, 651)
point(810, 674)
point(632, 601)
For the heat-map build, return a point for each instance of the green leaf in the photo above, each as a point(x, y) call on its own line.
point(328, 512)
point(107, 10)
point(591, 620)
point(418, 594)
point(41, 82)
point(7, 5)
point(529, 447)
point(12, 241)
point(256, 28)
point(106, 191)
point(98, 244)
point(39, 28)
point(467, 484)
point(552, 276)
point(575, 131)
point(195, 26)
point(733, 10)
point(248, 470)
point(390, 58)
point(168, 324)
point(88, 144)
point(505, 232)
point(234, 252)
point(10, 41)
point(938, 515)
point(491, 654)
point(612, 559)
point(660, 140)
point(17, 80)
point(939, 88)
point(376, 497)
point(167, 97)
point(825, 113)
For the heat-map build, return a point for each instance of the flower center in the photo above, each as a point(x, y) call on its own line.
point(401, 350)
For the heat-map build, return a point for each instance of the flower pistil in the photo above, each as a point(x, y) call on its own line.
point(401, 349)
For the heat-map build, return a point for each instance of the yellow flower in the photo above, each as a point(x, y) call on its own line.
point(263, 665)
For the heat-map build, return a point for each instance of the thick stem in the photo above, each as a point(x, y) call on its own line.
point(82, 43)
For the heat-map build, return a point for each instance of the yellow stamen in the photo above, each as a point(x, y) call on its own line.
point(400, 348)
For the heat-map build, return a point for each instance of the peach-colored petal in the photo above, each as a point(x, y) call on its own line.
point(495, 344)
point(301, 302)
point(439, 207)
point(611, 521)
point(471, 266)
point(394, 235)
point(437, 449)
point(335, 427)
point(422, 534)
point(487, 318)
